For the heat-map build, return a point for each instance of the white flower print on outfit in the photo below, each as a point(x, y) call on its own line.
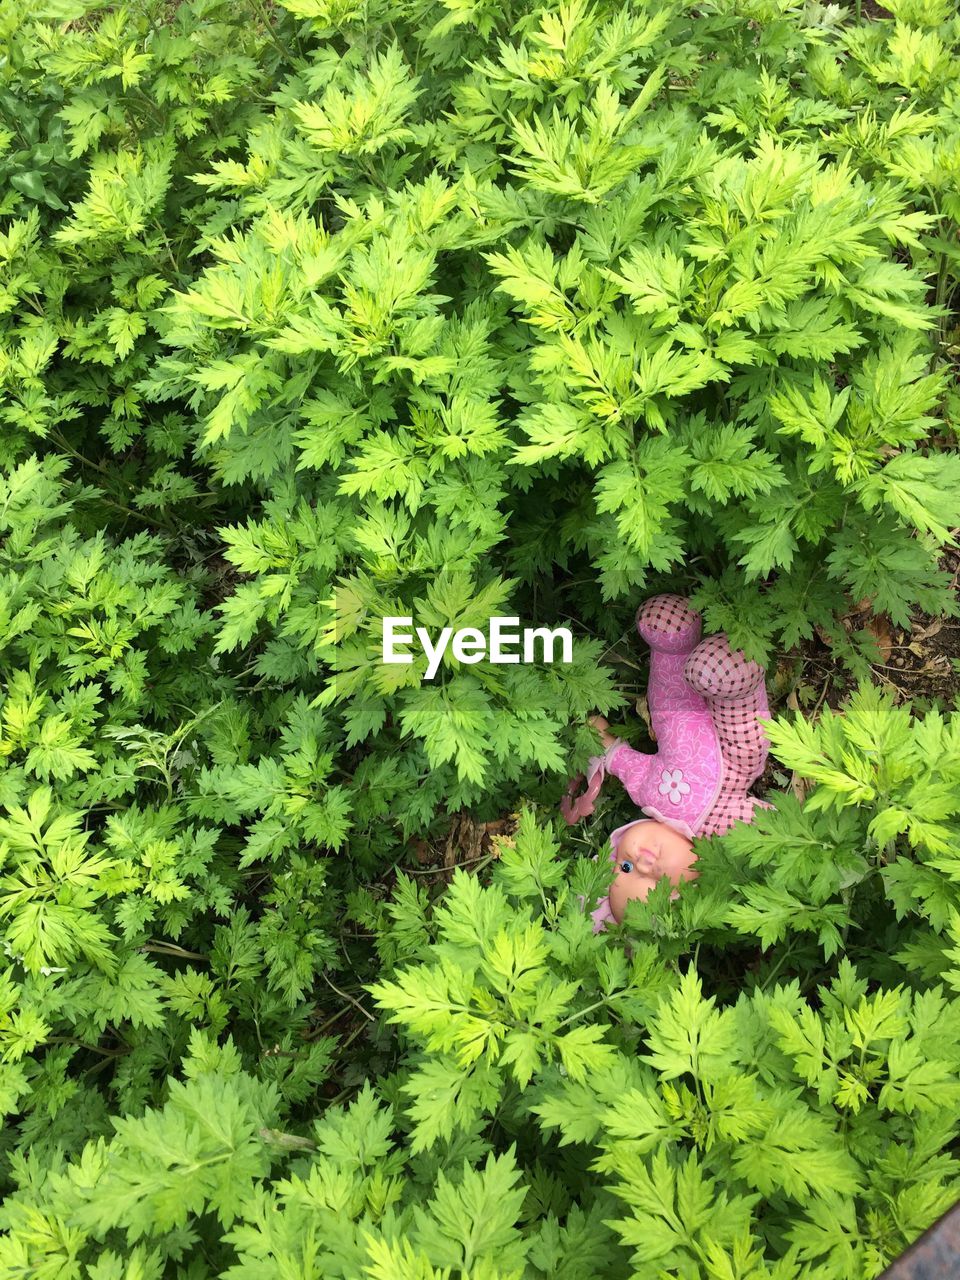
point(673, 786)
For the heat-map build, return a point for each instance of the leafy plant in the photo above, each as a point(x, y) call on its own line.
point(319, 312)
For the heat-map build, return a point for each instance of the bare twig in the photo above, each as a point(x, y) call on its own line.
point(345, 996)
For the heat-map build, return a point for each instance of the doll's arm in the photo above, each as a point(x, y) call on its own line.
point(671, 627)
point(633, 768)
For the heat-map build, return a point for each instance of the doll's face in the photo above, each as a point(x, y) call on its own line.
point(646, 853)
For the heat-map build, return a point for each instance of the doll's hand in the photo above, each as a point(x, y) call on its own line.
point(602, 727)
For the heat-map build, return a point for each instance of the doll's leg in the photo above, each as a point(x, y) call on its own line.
point(679, 716)
point(669, 624)
point(734, 691)
point(671, 627)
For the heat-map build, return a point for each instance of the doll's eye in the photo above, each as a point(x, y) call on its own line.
point(626, 866)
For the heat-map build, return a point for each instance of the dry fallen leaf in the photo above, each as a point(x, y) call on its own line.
point(500, 842)
point(882, 632)
point(422, 851)
point(939, 663)
point(925, 633)
point(463, 841)
point(643, 711)
point(799, 786)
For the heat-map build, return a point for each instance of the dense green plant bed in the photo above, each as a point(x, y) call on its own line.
point(320, 311)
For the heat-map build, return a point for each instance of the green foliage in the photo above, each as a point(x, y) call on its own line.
point(316, 312)
point(753, 1128)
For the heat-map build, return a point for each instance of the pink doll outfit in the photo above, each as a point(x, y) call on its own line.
point(705, 704)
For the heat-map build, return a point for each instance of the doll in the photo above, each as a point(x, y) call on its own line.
point(705, 704)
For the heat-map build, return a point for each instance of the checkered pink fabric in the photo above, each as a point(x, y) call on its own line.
point(704, 702)
point(669, 624)
point(736, 697)
point(680, 783)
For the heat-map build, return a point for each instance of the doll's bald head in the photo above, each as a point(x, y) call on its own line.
point(645, 852)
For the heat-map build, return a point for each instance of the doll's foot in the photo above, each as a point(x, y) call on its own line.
point(714, 670)
point(669, 623)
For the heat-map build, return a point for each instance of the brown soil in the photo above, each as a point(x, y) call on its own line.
point(870, 9)
point(919, 664)
point(468, 844)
